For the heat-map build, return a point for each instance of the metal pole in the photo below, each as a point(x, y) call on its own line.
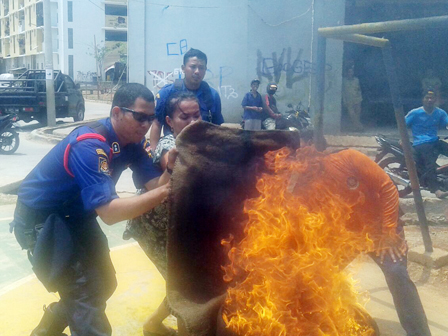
point(363, 39)
point(97, 69)
point(387, 26)
point(399, 115)
point(319, 116)
point(49, 81)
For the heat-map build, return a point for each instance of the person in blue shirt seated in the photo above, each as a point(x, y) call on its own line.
point(424, 123)
point(58, 202)
point(194, 68)
point(253, 107)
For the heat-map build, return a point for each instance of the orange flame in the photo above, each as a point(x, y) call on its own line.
point(287, 273)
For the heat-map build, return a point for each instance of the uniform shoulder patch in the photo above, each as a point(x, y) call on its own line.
point(157, 96)
point(115, 147)
point(103, 166)
point(100, 151)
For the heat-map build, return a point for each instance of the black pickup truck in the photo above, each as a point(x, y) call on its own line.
point(26, 96)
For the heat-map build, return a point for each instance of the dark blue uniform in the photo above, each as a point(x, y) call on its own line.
point(209, 102)
point(71, 254)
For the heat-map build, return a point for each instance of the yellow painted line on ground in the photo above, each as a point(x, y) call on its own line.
point(140, 291)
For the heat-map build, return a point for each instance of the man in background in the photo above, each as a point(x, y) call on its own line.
point(194, 68)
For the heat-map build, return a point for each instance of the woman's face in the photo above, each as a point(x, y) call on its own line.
point(186, 112)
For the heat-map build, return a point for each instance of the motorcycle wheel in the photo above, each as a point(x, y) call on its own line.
point(391, 164)
point(9, 142)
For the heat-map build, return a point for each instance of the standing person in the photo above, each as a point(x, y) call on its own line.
point(424, 123)
point(194, 68)
point(150, 229)
point(352, 98)
point(253, 106)
point(373, 199)
point(270, 110)
point(58, 202)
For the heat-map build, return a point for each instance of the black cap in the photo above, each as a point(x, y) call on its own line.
point(255, 81)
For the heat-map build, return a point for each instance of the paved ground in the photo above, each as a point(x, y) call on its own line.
point(141, 288)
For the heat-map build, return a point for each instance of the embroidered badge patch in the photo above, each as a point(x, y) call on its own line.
point(99, 151)
point(352, 183)
point(115, 147)
point(157, 96)
point(104, 166)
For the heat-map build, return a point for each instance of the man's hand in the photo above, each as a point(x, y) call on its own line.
point(394, 245)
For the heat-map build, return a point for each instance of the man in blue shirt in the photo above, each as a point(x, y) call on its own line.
point(194, 68)
point(253, 107)
point(424, 123)
point(58, 202)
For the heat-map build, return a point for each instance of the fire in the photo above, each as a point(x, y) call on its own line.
point(287, 275)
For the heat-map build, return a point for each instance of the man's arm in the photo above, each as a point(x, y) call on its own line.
point(409, 118)
point(217, 117)
point(120, 209)
point(378, 181)
point(171, 157)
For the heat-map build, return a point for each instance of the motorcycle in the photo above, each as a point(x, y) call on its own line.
point(296, 118)
point(9, 138)
point(390, 157)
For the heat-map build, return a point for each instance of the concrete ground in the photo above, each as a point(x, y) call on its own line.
point(140, 286)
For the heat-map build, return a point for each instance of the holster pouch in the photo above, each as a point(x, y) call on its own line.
point(27, 224)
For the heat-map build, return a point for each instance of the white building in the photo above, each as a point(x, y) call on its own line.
point(76, 25)
point(274, 41)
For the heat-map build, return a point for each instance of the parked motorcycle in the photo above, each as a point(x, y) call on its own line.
point(9, 138)
point(390, 157)
point(296, 118)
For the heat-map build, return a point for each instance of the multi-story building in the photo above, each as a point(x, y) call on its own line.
point(76, 27)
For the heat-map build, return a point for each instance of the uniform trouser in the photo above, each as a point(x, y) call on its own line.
point(425, 156)
point(87, 282)
point(84, 292)
point(404, 293)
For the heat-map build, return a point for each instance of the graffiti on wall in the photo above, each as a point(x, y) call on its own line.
point(161, 78)
point(272, 68)
point(176, 48)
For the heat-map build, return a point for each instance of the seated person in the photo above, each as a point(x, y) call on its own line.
point(270, 111)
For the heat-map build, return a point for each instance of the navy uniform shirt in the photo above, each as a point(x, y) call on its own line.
point(208, 97)
point(49, 185)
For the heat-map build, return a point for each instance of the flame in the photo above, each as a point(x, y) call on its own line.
point(288, 273)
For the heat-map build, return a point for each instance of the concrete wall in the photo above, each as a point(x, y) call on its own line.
point(243, 39)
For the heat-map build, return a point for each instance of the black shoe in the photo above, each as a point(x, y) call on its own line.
point(51, 324)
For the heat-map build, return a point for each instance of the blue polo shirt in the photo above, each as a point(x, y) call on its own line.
point(208, 97)
point(424, 126)
point(250, 100)
point(49, 185)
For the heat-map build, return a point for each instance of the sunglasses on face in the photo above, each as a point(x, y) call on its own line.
point(140, 116)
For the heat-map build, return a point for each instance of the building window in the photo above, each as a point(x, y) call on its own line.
point(70, 38)
point(116, 10)
point(70, 11)
point(70, 66)
point(118, 36)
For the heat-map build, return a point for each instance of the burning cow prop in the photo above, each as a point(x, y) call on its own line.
point(244, 256)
